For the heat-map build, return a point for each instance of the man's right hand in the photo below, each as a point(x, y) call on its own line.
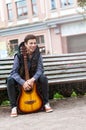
point(27, 86)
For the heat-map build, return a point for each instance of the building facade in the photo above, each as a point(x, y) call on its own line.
point(58, 25)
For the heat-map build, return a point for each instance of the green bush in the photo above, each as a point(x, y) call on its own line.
point(5, 103)
point(73, 94)
point(58, 96)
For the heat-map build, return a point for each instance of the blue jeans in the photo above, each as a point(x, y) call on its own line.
point(13, 87)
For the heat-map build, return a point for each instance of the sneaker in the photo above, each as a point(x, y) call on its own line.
point(48, 108)
point(14, 112)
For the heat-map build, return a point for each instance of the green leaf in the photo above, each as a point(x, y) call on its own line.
point(5, 103)
point(58, 96)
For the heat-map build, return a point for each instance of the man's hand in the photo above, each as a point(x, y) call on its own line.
point(28, 84)
point(31, 82)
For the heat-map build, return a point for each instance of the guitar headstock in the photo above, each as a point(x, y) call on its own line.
point(24, 57)
point(23, 50)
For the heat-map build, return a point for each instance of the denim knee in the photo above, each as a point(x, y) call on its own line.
point(10, 81)
point(43, 79)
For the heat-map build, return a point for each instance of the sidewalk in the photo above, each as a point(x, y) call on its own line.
point(68, 114)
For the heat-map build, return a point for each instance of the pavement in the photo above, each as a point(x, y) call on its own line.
point(68, 114)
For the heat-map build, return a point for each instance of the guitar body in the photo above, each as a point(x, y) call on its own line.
point(29, 101)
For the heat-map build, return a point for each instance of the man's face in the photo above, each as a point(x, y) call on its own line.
point(31, 45)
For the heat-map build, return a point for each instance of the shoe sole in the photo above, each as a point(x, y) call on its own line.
point(13, 115)
point(47, 111)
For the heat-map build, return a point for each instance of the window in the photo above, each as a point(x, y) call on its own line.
point(40, 42)
point(21, 7)
point(53, 4)
point(9, 11)
point(14, 45)
point(66, 3)
point(40, 39)
point(34, 7)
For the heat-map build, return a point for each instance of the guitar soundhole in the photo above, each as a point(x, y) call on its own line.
point(30, 102)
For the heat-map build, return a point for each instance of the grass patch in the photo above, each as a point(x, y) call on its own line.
point(5, 103)
point(58, 96)
point(73, 94)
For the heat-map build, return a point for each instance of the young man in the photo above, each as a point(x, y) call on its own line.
point(35, 66)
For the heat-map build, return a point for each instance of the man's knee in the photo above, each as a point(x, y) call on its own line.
point(10, 80)
point(43, 79)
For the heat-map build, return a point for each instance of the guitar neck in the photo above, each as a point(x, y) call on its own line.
point(27, 76)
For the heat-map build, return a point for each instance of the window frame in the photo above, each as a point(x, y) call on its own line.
point(41, 44)
point(9, 11)
point(20, 9)
point(13, 43)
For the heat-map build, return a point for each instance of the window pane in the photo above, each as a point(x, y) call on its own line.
point(42, 39)
point(33, 1)
point(40, 42)
point(14, 41)
point(66, 3)
point(34, 10)
point(20, 12)
point(15, 47)
point(34, 7)
point(37, 40)
point(9, 11)
point(14, 44)
point(53, 5)
point(25, 11)
point(70, 1)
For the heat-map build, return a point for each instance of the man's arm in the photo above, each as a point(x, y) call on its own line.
point(40, 69)
point(14, 73)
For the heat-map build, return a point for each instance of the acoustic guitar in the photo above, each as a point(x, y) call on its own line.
point(28, 101)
